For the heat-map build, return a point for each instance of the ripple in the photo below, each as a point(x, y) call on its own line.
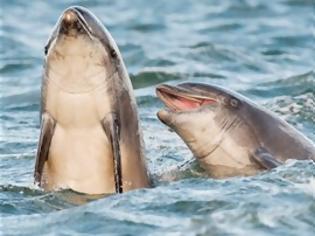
point(294, 40)
point(147, 28)
point(273, 52)
point(20, 200)
point(221, 26)
point(291, 86)
point(27, 99)
point(149, 78)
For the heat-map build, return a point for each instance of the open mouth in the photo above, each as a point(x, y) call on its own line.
point(177, 99)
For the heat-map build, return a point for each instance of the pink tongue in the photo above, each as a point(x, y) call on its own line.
point(186, 104)
point(205, 102)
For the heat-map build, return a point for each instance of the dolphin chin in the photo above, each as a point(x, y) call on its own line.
point(228, 133)
point(90, 139)
point(164, 116)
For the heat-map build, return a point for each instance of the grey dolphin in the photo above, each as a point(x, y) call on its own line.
point(90, 139)
point(228, 134)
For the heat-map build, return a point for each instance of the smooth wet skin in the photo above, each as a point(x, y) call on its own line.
point(90, 138)
point(229, 134)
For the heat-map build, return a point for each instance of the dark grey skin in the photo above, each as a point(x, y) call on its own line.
point(227, 133)
point(90, 138)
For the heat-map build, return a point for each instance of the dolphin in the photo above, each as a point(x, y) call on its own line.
point(227, 133)
point(90, 139)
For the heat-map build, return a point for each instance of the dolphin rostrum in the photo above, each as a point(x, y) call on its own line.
point(90, 139)
point(227, 133)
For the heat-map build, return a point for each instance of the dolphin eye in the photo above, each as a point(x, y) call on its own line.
point(46, 49)
point(113, 53)
point(234, 102)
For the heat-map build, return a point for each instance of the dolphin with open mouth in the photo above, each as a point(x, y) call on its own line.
point(90, 139)
point(227, 133)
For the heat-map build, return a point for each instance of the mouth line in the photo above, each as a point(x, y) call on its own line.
point(84, 24)
point(180, 101)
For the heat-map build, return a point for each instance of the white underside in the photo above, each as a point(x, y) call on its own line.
point(80, 155)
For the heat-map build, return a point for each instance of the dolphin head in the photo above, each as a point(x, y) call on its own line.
point(206, 117)
point(80, 52)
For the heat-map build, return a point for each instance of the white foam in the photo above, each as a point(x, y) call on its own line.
point(309, 188)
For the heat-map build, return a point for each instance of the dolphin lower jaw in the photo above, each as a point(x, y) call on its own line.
point(77, 65)
point(80, 84)
point(165, 117)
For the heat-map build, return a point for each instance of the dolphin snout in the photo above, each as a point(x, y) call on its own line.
point(71, 25)
point(69, 16)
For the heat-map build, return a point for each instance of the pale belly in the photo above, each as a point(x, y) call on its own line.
point(80, 154)
point(80, 160)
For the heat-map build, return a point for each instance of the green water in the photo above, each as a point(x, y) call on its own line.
point(263, 49)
